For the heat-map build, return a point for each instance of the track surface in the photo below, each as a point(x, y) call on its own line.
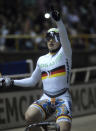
point(86, 123)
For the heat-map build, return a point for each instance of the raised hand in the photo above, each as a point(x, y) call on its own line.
point(55, 14)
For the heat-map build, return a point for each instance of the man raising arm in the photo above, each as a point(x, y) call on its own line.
point(54, 69)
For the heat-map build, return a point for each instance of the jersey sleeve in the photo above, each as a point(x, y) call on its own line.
point(64, 38)
point(32, 80)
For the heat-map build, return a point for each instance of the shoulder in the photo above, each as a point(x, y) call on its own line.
point(43, 57)
point(61, 50)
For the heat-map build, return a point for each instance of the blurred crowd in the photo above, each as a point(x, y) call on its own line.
point(26, 17)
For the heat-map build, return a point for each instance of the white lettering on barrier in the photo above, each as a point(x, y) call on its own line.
point(13, 106)
point(84, 99)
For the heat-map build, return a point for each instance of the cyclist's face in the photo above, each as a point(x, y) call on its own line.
point(52, 44)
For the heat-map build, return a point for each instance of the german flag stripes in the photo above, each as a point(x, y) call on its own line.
point(59, 71)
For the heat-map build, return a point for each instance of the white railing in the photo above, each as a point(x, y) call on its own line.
point(87, 70)
point(30, 67)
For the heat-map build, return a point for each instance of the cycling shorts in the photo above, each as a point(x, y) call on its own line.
point(60, 107)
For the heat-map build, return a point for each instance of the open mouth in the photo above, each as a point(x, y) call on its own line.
point(51, 44)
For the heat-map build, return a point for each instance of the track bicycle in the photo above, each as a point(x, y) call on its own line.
point(47, 126)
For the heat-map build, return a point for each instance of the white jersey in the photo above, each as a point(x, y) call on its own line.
point(54, 70)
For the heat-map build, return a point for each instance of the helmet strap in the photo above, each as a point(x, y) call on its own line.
point(56, 39)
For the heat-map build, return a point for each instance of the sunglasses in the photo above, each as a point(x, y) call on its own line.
point(52, 35)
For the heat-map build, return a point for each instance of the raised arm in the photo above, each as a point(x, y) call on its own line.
point(64, 38)
point(63, 33)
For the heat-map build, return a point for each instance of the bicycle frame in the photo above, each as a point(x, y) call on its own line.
point(47, 126)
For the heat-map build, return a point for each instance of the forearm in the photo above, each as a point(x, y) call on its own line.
point(62, 29)
point(27, 82)
point(31, 81)
point(64, 38)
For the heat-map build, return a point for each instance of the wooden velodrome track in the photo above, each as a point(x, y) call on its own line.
point(84, 123)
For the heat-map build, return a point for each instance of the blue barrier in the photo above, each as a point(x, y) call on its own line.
point(17, 67)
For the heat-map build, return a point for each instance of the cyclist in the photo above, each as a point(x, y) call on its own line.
point(54, 68)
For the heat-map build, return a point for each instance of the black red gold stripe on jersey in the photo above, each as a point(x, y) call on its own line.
point(59, 71)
